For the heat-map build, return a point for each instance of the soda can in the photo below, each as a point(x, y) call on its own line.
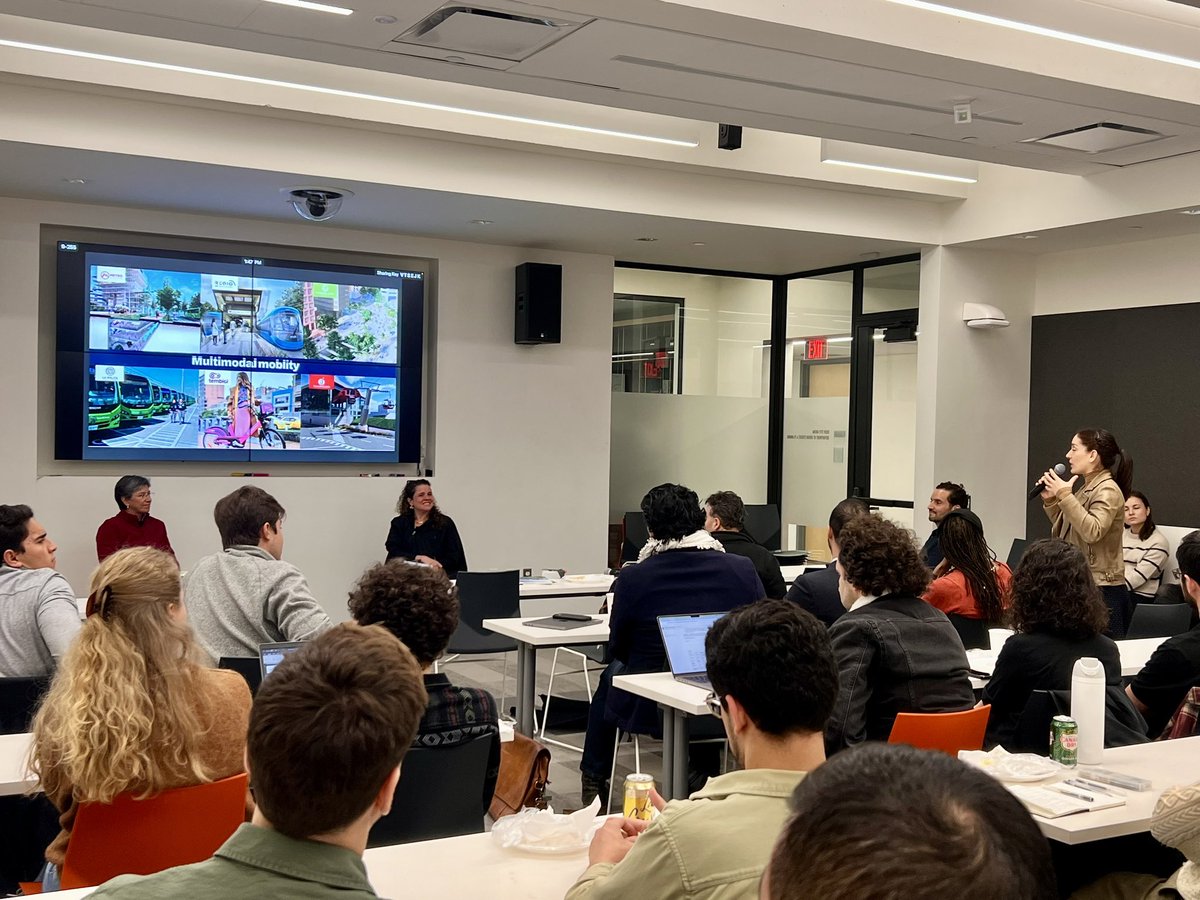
point(1064, 740)
point(637, 796)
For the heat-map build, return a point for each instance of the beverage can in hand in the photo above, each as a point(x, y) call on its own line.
point(637, 796)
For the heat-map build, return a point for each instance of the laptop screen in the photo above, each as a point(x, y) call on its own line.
point(683, 638)
point(271, 655)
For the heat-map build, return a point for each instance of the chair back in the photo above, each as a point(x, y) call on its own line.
point(440, 794)
point(19, 698)
point(249, 667)
point(141, 837)
point(1015, 552)
point(762, 523)
point(1169, 593)
point(973, 632)
point(1159, 620)
point(947, 732)
point(485, 595)
point(1123, 725)
point(636, 535)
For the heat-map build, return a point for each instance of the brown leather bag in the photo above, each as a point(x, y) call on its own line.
point(524, 774)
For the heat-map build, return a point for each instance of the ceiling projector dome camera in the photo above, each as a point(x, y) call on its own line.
point(317, 204)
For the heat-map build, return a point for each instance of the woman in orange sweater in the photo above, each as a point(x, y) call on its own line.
point(131, 708)
point(969, 582)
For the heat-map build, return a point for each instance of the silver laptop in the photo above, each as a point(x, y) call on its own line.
point(683, 638)
point(271, 655)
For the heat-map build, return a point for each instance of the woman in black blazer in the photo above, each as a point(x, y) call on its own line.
point(423, 533)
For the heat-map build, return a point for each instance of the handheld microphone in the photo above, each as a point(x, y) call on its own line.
point(1060, 470)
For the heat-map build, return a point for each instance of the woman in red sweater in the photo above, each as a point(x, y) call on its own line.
point(969, 582)
point(133, 526)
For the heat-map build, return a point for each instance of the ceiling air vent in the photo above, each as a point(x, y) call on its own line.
point(1098, 138)
point(480, 31)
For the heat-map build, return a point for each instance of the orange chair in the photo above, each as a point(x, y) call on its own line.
point(141, 837)
point(947, 732)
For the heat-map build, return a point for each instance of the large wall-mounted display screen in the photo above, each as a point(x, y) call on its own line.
point(169, 355)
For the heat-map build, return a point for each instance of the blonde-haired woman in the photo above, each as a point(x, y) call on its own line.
point(131, 708)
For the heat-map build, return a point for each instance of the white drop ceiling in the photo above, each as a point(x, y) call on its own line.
point(861, 71)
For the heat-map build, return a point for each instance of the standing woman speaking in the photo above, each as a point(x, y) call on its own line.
point(1093, 520)
point(423, 533)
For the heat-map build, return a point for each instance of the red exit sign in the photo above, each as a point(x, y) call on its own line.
point(816, 348)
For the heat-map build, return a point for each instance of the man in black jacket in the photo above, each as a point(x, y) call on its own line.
point(725, 519)
point(817, 592)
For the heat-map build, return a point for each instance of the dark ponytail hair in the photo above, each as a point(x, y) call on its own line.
point(1148, 525)
point(1112, 457)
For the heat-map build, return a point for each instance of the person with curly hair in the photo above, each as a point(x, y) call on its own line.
point(132, 708)
point(423, 533)
point(895, 652)
point(419, 605)
point(1058, 616)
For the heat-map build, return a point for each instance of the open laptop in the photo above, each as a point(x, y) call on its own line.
point(271, 655)
point(683, 638)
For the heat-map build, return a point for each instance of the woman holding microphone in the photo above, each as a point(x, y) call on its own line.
point(1093, 520)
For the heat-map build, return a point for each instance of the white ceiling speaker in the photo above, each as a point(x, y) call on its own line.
point(316, 204)
point(980, 315)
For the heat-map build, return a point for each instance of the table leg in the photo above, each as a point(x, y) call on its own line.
point(526, 666)
point(668, 776)
point(679, 785)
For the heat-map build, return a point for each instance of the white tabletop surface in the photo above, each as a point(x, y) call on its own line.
point(1165, 763)
point(661, 687)
point(1134, 656)
point(549, 637)
point(13, 750)
point(473, 865)
point(570, 585)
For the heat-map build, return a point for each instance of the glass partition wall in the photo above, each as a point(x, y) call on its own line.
point(797, 390)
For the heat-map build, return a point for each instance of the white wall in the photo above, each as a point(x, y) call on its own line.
point(522, 432)
point(973, 386)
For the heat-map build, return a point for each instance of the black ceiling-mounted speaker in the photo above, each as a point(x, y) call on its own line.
point(539, 304)
point(729, 137)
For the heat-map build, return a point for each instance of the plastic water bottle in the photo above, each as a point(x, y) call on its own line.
point(1087, 708)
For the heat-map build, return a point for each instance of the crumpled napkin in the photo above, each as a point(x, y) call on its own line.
point(547, 830)
point(1006, 766)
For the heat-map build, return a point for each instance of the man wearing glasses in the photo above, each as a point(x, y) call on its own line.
point(774, 682)
point(1163, 683)
point(133, 526)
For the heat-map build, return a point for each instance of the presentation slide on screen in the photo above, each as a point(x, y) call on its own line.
point(211, 405)
point(170, 311)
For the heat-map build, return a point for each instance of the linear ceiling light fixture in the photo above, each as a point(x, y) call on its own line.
point(315, 7)
point(354, 95)
point(1051, 33)
point(876, 168)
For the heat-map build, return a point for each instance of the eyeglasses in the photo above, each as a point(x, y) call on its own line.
point(1179, 575)
point(141, 495)
point(715, 704)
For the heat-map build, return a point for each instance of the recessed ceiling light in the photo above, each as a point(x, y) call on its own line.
point(353, 95)
point(1194, 211)
point(646, 240)
point(315, 7)
point(482, 222)
point(1026, 237)
point(75, 180)
point(698, 244)
point(386, 20)
point(1051, 33)
point(896, 171)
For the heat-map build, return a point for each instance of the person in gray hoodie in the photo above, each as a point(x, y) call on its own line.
point(247, 595)
point(38, 615)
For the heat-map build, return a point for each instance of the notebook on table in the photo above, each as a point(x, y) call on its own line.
point(271, 655)
point(683, 639)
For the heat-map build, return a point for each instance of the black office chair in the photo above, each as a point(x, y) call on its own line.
point(1123, 724)
point(973, 632)
point(1159, 620)
point(19, 698)
point(763, 524)
point(1016, 551)
point(485, 595)
point(439, 795)
point(249, 667)
point(636, 535)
